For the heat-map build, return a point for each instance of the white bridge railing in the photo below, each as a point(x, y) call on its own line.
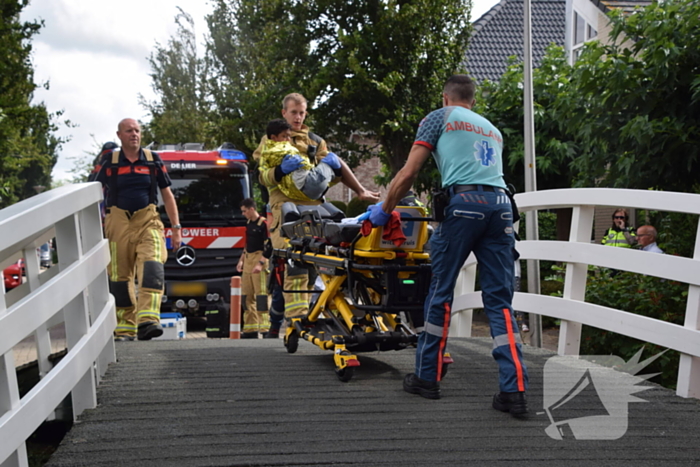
point(578, 253)
point(75, 292)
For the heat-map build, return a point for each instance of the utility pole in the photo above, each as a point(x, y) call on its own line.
point(531, 229)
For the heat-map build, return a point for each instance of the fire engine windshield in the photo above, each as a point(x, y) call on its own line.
point(208, 194)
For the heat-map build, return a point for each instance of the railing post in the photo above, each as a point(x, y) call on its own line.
point(575, 281)
point(235, 309)
point(689, 366)
point(77, 321)
point(461, 320)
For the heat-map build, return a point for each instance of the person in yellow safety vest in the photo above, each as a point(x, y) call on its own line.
point(253, 268)
point(314, 147)
point(621, 234)
point(135, 231)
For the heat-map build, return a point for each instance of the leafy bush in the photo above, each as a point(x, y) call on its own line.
point(356, 207)
point(340, 205)
point(643, 295)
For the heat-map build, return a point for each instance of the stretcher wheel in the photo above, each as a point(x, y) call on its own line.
point(444, 371)
point(345, 374)
point(291, 342)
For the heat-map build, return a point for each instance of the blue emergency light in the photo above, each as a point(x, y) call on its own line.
point(233, 155)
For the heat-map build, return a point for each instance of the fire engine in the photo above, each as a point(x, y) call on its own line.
point(209, 187)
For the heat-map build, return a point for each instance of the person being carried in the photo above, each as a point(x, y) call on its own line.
point(306, 183)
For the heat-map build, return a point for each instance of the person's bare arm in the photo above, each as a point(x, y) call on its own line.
point(173, 215)
point(406, 176)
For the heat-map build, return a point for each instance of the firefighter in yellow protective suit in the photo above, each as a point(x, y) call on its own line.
point(135, 231)
point(296, 279)
point(253, 267)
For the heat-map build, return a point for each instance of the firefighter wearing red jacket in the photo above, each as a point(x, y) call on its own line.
point(135, 231)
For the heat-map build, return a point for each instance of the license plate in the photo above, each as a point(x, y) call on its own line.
point(192, 289)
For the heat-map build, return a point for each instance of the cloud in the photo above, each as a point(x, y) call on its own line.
point(94, 56)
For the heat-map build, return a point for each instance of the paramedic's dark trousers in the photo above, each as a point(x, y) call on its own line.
point(478, 221)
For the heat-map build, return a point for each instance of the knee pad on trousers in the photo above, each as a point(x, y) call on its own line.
point(120, 290)
point(261, 302)
point(153, 275)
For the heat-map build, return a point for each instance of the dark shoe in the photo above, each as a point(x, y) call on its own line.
point(428, 389)
point(148, 331)
point(513, 402)
point(124, 338)
point(272, 334)
point(249, 335)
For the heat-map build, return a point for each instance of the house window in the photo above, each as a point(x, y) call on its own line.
point(579, 29)
point(582, 32)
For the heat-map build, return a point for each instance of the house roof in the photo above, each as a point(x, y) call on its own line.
point(498, 34)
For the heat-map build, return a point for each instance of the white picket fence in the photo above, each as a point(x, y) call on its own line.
point(578, 253)
point(74, 292)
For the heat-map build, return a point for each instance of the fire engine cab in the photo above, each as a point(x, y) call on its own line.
point(209, 187)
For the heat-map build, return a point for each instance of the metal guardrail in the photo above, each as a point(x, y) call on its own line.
point(75, 292)
point(578, 253)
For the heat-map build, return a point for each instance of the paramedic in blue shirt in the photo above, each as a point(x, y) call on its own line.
point(467, 149)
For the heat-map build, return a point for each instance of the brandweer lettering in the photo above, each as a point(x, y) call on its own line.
point(195, 232)
point(466, 126)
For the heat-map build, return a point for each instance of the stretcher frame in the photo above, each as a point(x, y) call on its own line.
point(367, 304)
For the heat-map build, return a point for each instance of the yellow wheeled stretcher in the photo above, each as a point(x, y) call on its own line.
point(374, 291)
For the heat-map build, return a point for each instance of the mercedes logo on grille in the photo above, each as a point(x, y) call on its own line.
point(185, 255)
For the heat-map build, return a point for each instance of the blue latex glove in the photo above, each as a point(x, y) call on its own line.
point(377, 216)
point(332, 160)
point(290, 163)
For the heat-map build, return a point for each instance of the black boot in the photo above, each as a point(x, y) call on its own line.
point(513, 402)
point(272, 334)
point(249, 335)
point(147, 331)
point(428, 389)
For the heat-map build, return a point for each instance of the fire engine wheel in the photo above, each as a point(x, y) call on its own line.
point(345, 374)
point(291, 342)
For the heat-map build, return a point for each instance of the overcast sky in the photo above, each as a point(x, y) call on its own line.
point(94, 55)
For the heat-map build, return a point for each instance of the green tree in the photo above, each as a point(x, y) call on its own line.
point(384, 65)
point(633, 107)
point(369, 68)
point(28, 147)
point(180, 113)
point(258, 52)
point(502, 104)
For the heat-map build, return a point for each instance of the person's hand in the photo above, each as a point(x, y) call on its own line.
point(366, 195)
point(332, 160)
point(377, 216)
point(239, 266)
point(620, 223)
point(290, 163)
point(258, 267)
point(176, 239)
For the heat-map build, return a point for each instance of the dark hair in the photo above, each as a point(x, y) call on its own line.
point(248, 203)
point(277, 126)
point(623, 211)
point(460, 88)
